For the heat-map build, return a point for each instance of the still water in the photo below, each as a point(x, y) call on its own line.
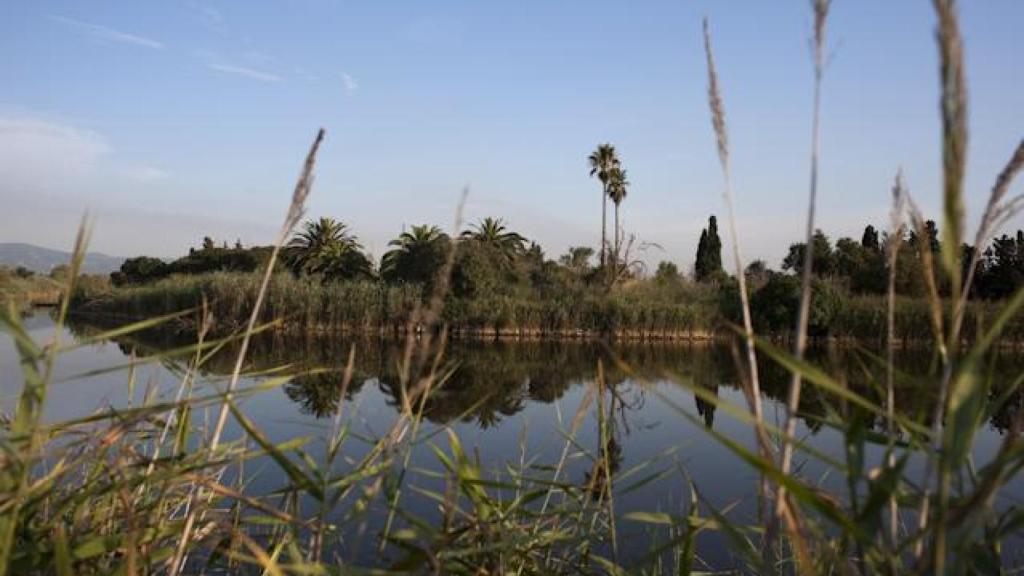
point(510, 403)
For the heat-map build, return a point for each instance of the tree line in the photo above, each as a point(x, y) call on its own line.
point(492, 259)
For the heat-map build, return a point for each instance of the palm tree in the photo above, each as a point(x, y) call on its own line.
point(602, 161)
point(493, 232)
point(326, 247)
point(617, 188)
point(416, 255)
point(343, 260)
point(577, 258)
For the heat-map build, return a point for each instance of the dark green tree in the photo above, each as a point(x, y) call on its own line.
point(869, 240)
point(931, 231)
point(666, 273)
point(708, 264)
point(577, 259)
point(494, 233)
point(140, 270)
point(824, 259)
point(416, 256)
point(325, 247)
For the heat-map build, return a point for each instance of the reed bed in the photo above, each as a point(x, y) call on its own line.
point(307, 304)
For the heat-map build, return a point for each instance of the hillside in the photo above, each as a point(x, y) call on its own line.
point(39, 259)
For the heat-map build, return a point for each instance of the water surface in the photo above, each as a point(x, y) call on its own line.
point(511, 403)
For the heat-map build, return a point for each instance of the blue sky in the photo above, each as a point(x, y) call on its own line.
point(169, 121)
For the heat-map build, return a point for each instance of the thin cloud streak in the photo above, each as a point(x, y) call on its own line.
point(350, 83)
point(109, 34)
point(246, 72)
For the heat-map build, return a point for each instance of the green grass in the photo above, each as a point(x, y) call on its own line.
point(638, 310)
point(306, 304)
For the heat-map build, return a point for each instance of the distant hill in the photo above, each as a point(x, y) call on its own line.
point(39, 259)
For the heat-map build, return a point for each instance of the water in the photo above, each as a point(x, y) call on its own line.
point(509, 402)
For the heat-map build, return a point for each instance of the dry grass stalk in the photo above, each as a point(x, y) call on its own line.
point(896, 229)
point(722, 140)
point(953, 108)
point(295, 211)
point(821, 8)
point(996, 212)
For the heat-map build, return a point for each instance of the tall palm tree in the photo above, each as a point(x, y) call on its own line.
point(493, 232)
point(617, 188)
point(325, 246)
point(416, 255)
point(602, 161)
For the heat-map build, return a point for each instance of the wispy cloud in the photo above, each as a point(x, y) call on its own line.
point(246, 72)
point(143, 174)
point(29, 147)
point(109, 34)
point(349, 83)
point(209, 13)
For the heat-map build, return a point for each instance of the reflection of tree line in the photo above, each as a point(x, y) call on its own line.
point(493, 380)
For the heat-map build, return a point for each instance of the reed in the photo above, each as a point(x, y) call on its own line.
point(753, 391)
point(783, 511)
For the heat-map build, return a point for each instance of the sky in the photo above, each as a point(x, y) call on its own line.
point(170, 121)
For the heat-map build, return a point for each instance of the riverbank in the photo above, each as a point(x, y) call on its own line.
point(28, 291)
point(639, 312)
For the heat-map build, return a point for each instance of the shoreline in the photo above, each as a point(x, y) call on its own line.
point(183, 326)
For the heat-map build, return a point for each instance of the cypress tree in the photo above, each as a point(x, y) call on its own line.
point(709, 253)
point(701, 264)
point(870, 239)
point(714, 248)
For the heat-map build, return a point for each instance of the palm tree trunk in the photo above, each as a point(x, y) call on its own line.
point(615, 266)
point(604, 221)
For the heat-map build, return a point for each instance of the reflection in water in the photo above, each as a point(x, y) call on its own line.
point(493, 380)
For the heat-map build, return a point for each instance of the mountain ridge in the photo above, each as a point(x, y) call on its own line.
point(41, 259)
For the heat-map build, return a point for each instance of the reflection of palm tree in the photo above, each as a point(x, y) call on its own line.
point(318, 394)
point(493, 232)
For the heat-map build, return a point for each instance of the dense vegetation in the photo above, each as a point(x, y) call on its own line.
point(501, 283)
point(25, 288)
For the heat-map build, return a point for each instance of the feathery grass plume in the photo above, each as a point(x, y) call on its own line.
point(953, 110)
point(895, 239)
point(295, 211)
point(996, 213)
point(821, 8)
point(953, 107)
point(722, 141)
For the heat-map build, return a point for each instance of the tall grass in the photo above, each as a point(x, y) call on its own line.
point(304, 304)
